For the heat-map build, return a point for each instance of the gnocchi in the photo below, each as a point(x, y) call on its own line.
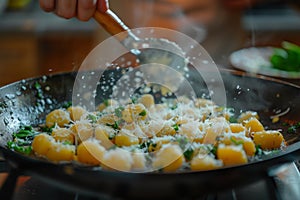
point(177, 134)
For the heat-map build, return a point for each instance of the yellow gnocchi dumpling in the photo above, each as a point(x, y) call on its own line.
point(201, 102)
point(102, 136)
point(218, 126)
point(247, 143)
point(246, 116)
point(90, 152)
point(124, 138)
point(268, 140)
point(138, 161)
point(63, 135)
point(82, 130)
point(76, 112)
point(107, 119)
point(237, 128)
point(231, 154)
point(59, 117)
point(249, 147)
point(253, 125)
point(61, 152)
point(117, 159)
point(147, 100)
point(204, 162)
point(42, 143)
point(169, 158)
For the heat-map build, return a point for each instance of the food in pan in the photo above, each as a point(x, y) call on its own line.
point(141, 135)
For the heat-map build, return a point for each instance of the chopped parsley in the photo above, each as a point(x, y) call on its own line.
point(105, 102)
point(258, 150)
point(134, 99)
point(188, 154)
point(16, 146)
point(66, 105)
point(174, 107)
point(39, 90)
point(213, 150)
point(176, 127)
point(92, 118)
point(292, 129)
point(233, 119)
point(236, 142)
point(67, 143)
point(143, 113)
point(48, 129)
point(25, 132)
point(118, 111)
point(115, 125)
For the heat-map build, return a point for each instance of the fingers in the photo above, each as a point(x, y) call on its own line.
point(82, 9)
point(47, 5)
point(102, 5)
point(86, 9)
point(66, 8)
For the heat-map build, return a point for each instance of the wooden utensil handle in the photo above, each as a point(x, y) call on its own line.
point(110, 22)
point(113, 25)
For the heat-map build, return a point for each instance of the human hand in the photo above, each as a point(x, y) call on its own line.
point(82, 9)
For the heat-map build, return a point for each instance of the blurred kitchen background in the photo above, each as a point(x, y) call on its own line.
point(34, 43)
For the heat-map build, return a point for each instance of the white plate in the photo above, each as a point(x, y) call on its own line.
point(257, 60)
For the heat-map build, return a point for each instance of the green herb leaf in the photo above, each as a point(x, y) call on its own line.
point(47, 129)
point(134, 99)
point(37, 86)
point(286, 58)
point(39, 90)
point(25, 132)
point(92, 118)
point(106, 103)
point(236, 142)
point(292, 129)
point(173, 107)
point(258, 150)
point(176, 127)
point(233, 119)
point(67, 104)
point(67, 143)
point(143, 113)
point(118, 111)
point(115, 125)
point(22, 149)
point(188, 154)
point(214, 150)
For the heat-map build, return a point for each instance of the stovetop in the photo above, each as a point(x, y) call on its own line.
point(284, 185)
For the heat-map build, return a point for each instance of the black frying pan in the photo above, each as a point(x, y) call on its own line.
point(21, 104)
